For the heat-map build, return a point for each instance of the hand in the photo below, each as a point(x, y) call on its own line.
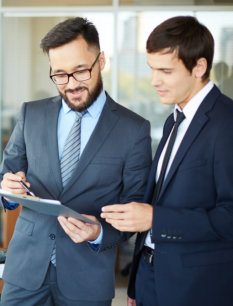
point(11, 183)
point(80, 231)
point(131, 302)
point(130, 217)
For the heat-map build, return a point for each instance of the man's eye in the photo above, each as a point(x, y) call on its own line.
point(167, 71)
point(81, 72)
point(60, 76)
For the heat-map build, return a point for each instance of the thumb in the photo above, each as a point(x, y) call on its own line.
point(22, 175)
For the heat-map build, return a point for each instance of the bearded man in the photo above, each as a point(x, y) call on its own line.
point(83, 149)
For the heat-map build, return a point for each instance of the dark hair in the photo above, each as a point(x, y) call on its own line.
point(191, 39)
point(68, 30)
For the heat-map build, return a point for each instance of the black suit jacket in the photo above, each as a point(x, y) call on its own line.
point(113, 168)
point(193, 217)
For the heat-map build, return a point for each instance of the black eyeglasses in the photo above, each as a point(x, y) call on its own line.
point(80, 76)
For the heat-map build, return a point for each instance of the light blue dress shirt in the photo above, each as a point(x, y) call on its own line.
point(66, 120)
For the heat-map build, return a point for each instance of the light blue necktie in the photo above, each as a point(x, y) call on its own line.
point(70, 158)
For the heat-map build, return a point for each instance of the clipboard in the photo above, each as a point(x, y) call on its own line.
point(45, 206)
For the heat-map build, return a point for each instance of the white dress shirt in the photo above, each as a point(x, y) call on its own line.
point(189, 111)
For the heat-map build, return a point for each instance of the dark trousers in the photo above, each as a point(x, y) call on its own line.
point(48, 295)
point(145, 285)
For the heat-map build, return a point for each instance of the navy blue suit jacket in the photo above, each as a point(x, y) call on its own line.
point(193, 217)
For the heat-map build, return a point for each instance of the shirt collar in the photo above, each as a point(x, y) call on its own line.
point(94, 109)
point(191, 107)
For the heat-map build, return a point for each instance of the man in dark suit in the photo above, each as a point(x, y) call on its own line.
point(184, 251)
point(71, 262)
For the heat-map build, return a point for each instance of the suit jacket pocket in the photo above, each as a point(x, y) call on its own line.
point(192, 164)
point(207, 258)
point(24, 226)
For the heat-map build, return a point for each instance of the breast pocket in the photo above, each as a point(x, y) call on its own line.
point(192, 165)
point(106, 170)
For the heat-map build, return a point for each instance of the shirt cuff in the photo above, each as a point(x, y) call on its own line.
point(10, 205)
point(99, 238)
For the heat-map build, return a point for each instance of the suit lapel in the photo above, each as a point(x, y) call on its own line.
point(197, 124)
point(107, 121)
point(52, 113)
point(151, 180)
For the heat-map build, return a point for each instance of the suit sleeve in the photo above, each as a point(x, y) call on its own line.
point(14, 155)
point(134, 179)
point(182, 224)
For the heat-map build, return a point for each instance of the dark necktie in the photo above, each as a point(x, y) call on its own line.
point(179, 118)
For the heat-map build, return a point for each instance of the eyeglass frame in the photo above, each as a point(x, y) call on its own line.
point(72, 74)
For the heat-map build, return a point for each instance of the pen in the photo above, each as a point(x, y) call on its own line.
point(26, 187)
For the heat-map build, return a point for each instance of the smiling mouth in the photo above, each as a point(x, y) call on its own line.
point(77, 93)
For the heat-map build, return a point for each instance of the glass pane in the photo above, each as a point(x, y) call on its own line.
point(156, 2)
point(175, 2)
point(55, 2)
point(26, 68)
point(222, 72)
point(135, 90)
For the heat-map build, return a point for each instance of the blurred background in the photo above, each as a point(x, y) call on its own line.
point(123, 26)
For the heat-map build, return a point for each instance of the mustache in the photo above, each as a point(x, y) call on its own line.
point(76, 89)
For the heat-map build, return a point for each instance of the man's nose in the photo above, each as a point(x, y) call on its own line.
point(156, 79)
point(73, 83)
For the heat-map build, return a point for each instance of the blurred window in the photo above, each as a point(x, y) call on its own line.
point(123, 34)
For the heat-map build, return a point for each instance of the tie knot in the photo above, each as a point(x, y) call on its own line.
point(179, 117)
point(79, 115)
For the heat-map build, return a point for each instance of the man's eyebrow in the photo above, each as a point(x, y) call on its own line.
point(76, 67)
point(168, 68)
point(82, 66)
point(160, 69)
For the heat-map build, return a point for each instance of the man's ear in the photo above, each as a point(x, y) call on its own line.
point(102, 60)
point(200, 69)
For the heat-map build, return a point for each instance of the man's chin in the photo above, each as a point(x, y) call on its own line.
point(77, 105)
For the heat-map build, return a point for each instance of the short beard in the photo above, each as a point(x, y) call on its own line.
point(92, 96)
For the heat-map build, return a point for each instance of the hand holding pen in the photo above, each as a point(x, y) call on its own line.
point(26, 188)
point(15, 183)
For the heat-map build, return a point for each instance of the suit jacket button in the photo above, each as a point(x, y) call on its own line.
point(169, 237)
point(52, 236)
point(163, 235)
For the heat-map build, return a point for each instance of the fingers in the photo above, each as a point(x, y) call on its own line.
point(131, 217)
point(118, 211)
point(131, 302)
point(79, 231)
point(93, 218)
point(70, 229)
point(122, 226)
point(126, 224)
point(11, 183)
point(21, 174)
point(118, 207)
